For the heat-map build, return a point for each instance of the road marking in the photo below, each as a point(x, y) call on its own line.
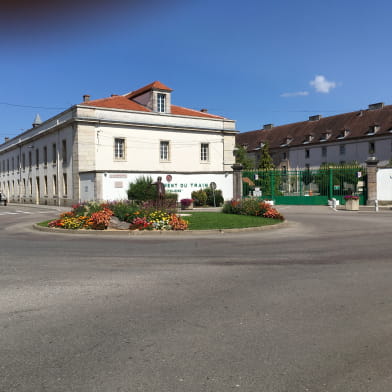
point(9, 213)
point(23, 212)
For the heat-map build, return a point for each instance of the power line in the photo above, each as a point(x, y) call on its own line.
point(32, 107)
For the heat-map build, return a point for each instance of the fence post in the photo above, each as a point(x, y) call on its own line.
point(237, 181)
point(330, 193)
point(272, 184)
point(299, 178)
point(371, 164)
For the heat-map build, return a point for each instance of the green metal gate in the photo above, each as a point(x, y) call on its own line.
point(307, 187)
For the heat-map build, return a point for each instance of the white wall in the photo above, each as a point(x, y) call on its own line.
point(142, 150)
point(355, 151)
point(384, 184)
point(115, 185)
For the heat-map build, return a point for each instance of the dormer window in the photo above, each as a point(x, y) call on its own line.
point(343, 134)
point(373, 129)
point(325, 136)
point(286, 141)
point(308, 139)
point(161, 103)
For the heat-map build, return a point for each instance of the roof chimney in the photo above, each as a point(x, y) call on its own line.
point(268, 126)
point(114, 95)
point(86, 98)
point(204, 110)
point(6, 139)
point(37, 121)
point(315, 118)
point(378, 105)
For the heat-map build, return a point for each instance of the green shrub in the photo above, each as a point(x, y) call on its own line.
point(123, 210)
point(171, 196)
point(210, 197)
point(199, 197)
point(142, 189)
point(251, 207)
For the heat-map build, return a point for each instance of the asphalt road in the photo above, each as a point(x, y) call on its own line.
point(304, 308)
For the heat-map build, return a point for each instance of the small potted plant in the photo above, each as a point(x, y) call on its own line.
point(186, 204)
point(352, 202)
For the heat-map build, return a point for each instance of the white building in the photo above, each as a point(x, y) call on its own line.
point(93, 150)
point(339, 139)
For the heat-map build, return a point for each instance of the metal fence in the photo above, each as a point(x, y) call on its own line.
point(306, 186)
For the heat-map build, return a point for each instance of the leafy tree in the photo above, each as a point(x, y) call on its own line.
point(241, 156)
point(142, 189)
point(266, 162)
point(343, 176)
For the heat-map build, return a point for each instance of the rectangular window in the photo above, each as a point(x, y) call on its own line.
point(38, 187)
point(65, 184)
point(30, 160)
point(164, 150)
point(31, 186)
point(24, 186)
point(24, 161)
point(54, 153)
point(342, 149)
point(204, 153)
point(45, 156)
point(13, 164)
point(372, 148)
point(45, 185)
point(37, 158)
point(161, 103)
point(64, 151)
point(119, 148)
point(17, 163)
point(8, 166)
point(307, 153)
point(323, 151)
point(54, 185)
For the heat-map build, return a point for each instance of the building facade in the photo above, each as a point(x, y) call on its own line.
point(340, 139)
point(93, 150)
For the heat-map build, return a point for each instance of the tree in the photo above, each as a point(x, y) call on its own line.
point(142, 189)
point(266, 162)
point(343, 178)
point(241, 156)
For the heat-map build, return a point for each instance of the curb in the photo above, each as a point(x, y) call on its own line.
point(134, 233)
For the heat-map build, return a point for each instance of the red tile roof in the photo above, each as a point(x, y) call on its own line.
point(191, 112)
point(154, 85)
point(117, 102)
point(356, 123)
point(126, 102)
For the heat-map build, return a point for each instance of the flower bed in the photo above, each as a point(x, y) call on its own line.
point(351, 197)
point(252, 207)
point(97, 216)
point(152, 216)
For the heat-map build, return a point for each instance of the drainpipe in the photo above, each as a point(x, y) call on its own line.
point(58, 168)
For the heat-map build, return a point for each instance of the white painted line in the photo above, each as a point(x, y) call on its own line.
point(10, 213)
point(23, 212)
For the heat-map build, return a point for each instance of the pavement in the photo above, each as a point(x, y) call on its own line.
point(304, 308)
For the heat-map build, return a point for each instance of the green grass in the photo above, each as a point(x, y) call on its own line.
point(219, 220)
point(216, 220)
point(44, 223)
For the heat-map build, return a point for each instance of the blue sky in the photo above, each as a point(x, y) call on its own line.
point(256, 62)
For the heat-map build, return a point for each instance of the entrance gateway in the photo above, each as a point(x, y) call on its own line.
point(306, 187)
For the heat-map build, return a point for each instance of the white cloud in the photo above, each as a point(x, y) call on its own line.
point(322, 85)
point(296, 94)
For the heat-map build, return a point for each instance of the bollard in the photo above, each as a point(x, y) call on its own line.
point(334, 203)
point(376, 205)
